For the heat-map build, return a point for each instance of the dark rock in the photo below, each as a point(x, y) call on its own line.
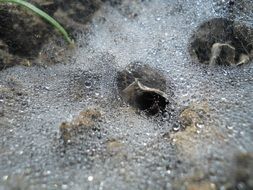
point(143, 87)
point(222, 41)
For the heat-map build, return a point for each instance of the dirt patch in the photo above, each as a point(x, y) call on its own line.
point(12, 96)
point(243, 175)
point(196, 182)
point(23, 34)
point(126, 8)
point(195, 125)
point(6, 59)
point(222, 42)
point(86, 120)
point(79, 11)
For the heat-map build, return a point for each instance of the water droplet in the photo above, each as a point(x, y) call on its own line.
point(230, 127)
point(64, 186)
point(87, 84)
point(90, 178)
point(176, 128)
point(5, 177)
point(200, 126)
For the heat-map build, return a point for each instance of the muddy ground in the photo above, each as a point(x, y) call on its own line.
point(64, 123)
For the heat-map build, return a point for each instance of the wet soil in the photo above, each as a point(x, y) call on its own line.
point(23, 34)
point(236, 38)
point(64, 126)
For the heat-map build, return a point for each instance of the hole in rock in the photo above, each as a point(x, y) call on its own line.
point(151, 103)
point(143, 87)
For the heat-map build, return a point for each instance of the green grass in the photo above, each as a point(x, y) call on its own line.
point(42, 14)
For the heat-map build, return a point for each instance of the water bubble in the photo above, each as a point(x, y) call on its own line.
point(5, 177)
point(90, 178)
point(64, 186)
point(88, 84)
point(200, 126)
point(230, 127)
point(48, 172)
point(176, 127)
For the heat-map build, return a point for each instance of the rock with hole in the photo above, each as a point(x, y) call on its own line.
point(143, 88)
point(222, 42)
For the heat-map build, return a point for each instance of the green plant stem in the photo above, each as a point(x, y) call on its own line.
point(43, 15)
